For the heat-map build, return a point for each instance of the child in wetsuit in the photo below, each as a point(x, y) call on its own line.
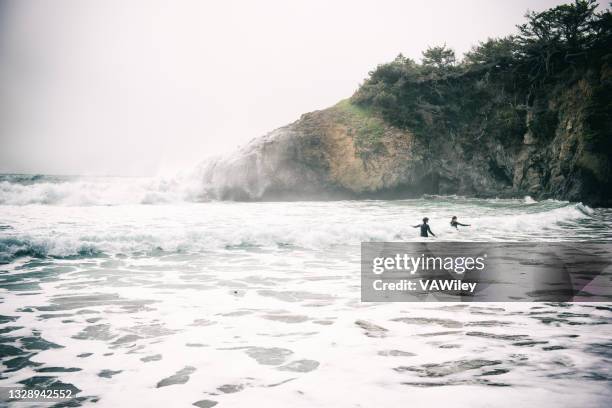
point(455, 223)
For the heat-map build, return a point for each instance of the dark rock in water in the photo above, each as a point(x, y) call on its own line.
point(205, 403)
point(181, 377)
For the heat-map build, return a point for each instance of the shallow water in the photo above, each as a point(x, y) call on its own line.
point(234, 303)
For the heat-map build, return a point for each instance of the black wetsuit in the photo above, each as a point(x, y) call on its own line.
point(455, 223)
point(425, 229)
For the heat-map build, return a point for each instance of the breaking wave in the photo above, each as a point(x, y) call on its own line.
point(278, 226)
point(52, 216)
point(88, 191)
point(20, 190)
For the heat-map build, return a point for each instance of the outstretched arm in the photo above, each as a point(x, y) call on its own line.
point(430, 231)
point(416, 226)
point(463, 225)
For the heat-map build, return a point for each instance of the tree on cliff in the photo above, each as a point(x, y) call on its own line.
point(553, 39)
point(552, 44)
point(440, 58)
point(494, 52)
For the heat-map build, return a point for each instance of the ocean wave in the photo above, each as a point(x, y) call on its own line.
point(543, 217)
point(20, 190)
point(311, 228)
point(529, 200)
point(585, 209)
point(75, 191)
point(13, 248)
point(104, 191)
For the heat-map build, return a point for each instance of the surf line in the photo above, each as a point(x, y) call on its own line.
point(432, 285)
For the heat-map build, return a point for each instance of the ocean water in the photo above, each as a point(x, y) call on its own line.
point(142, 292)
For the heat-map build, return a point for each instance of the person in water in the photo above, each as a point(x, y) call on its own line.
point(455, 223)
point(424, 228)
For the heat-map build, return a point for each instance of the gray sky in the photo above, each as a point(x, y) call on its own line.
point(150, 87)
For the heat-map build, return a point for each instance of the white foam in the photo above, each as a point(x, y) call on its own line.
point(306, 265)
point(529, 200)
point(102, 191)
point(65, 231)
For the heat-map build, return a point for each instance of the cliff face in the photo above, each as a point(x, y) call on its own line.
point(347, 151)
point(325, 154)
point(572, 160)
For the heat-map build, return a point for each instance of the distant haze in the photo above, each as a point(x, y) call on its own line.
point(150, 87)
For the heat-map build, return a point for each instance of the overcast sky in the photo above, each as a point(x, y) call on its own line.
point(150, 87)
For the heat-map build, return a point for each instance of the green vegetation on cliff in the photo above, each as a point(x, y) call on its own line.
point(366, 128)
point(548, 88)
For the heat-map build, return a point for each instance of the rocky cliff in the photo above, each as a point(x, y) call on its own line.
point(528, 114)
point(348, 151)
point(325, 154)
